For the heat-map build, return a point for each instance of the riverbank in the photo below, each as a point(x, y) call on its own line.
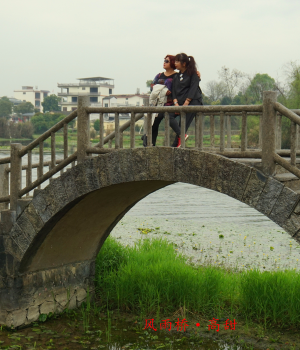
point(150, 297)
point(152, 280)
point(72, 141)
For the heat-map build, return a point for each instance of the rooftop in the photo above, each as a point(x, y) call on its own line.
point(128, 96)
point(95, 78)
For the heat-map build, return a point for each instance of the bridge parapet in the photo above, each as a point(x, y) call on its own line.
point(270, 113)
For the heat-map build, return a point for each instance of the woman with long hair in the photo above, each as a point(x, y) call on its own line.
point(185, 90)
point(166, 79)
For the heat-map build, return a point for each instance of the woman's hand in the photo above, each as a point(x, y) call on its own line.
point(199, 75)
point(168, 93)
point(187, 102)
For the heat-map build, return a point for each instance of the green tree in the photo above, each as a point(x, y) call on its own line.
point(293, 74)
point(226, 100)
point(97, 125)
point(259, 84)
point(5, 107)
point(24, 107)
point(148, 83)
point(43, 122)
point(50, 103)
point(206, 100)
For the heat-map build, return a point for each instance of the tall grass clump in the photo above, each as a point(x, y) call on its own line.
point(272, 297)
point(151, 276)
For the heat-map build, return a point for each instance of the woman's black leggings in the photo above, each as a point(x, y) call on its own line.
point(188, 120)
point(173, 123)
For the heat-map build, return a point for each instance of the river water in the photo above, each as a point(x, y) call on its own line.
point(210, 228)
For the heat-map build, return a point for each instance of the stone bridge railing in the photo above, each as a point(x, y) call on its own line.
point(270, 112)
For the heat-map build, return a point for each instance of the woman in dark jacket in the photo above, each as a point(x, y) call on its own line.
point(185, 89)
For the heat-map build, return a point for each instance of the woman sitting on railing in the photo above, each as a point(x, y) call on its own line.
point(166, 79)
point(185, 90)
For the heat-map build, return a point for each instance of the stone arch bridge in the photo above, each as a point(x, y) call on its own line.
point(49, 241)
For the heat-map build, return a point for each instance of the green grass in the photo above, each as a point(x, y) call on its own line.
point(72, 140)
point(151, 276)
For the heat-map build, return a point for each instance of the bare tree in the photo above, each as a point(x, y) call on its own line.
point(232, 80)
point(215, 90)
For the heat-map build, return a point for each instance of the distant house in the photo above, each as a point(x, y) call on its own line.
point(136, 100)
point(25, 117)
point(109, 101)
point(15, 101)
point(29, 94)
point(96, 88)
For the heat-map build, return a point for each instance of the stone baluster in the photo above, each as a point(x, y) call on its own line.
point(268, 132)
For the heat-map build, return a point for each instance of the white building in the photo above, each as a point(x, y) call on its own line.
point(96, 88)
point(135, 100)
point(29, 94)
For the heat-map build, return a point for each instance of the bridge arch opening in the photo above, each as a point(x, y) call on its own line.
point(77, 211)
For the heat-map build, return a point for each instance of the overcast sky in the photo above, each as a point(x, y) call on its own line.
point(48, 42)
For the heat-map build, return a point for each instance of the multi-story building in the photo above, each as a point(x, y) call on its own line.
point(29, 94)
point(96, 88)
point(126, 100)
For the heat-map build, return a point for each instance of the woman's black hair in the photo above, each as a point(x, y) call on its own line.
point(191, 67)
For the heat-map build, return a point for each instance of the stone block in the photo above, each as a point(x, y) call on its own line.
point(47, 306)
point(68, 182)
point(12, 248)
point(33, 313)
point(8, 219)
point(52, 199)
point(3, 317)
point(114, 168)
point(41, 296)
point(58, 189)
point(91, 176)
point(24, 222)
point(2, 247)
point(2, 264)
point(9, 264)
point(139, 164)
point(152, 154)
point(125, 159)
point(80, 179)
point(181, 165)
point(209, 170)
point(254, 187)
point(292, 224)
point(166, 163)
point(18, 317)
point(81, 294)
point(34, 218)
point(284, 206)
point(42, 207)
point(9, 299)
point(72, 304)
point(36, 191)
point(22, 204)
point(20, 238)
point(269, 195)
point(196, 164)
point(239, 180)
point(224, 175)
point(62, 299)
point(101, 168)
